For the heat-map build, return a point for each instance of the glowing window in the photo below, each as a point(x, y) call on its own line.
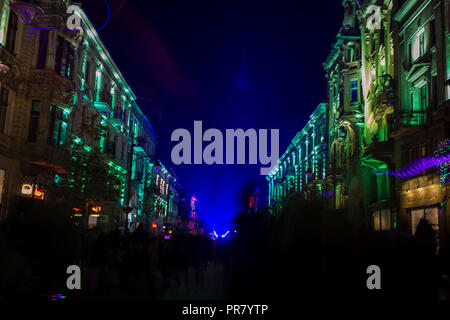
point(418, 45)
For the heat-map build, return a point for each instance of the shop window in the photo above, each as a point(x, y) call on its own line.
point(430, 214)
point(12, 31)
point(34, 120)
point(382, 220)
point(409, 54)
point(4, 95)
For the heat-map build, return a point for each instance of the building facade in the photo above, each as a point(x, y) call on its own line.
point(163, 194)
point(68, 118)
point(421, 119)
point(302, 167)
point(387, 138)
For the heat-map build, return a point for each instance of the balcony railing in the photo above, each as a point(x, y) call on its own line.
point(413, 118)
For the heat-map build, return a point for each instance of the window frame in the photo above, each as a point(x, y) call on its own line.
point(33, 127)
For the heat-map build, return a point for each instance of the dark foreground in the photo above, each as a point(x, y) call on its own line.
point(308, 252)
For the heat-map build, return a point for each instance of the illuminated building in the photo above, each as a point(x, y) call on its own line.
point(387, 121)
point(302, 167)
point(421, 118)
point(346, 113)
point(162, 201)
point(388, 107)
point(59, 87)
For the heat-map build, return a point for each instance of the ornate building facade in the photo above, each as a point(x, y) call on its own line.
point(63, 103)
point(387, 119)
point(421, 127)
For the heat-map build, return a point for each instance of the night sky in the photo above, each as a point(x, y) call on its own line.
point(182, 59)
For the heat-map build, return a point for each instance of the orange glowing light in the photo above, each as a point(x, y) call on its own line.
point(153, 225)
point(96, 208)
point(76, 209)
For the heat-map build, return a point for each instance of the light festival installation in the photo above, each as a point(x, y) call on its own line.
point(418, 166)
point(443, 150)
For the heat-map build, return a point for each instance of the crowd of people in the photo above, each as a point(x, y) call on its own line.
point(140, 263)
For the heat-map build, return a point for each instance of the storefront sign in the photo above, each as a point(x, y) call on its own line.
point(422, 196)
point(27, 191)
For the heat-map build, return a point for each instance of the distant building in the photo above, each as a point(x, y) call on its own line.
point(163, 204)
point(302, 167)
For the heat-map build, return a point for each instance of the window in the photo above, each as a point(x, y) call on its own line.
point(432, 33)
point(410, 58)
point(42, 53)
point(34, 120)
point(423, 97)
point(418, 45)
point(88, 73)
point(413, 154)
point(430, 214)
point(354, 90)
point(3, 108)
point(382, 220)
point(12, 30)
point(423, 150)
point(64, 58)
point(411, 97)
point(57, 126)
point(434, 90)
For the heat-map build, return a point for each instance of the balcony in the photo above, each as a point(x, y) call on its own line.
point(45, 83)
point(103, 101)
point(117, 120)
point(408, 121)
point(380, 150)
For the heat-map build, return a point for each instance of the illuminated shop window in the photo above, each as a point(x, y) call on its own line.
point(430, 214)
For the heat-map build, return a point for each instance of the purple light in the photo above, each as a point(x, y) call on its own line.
point(416, 167)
